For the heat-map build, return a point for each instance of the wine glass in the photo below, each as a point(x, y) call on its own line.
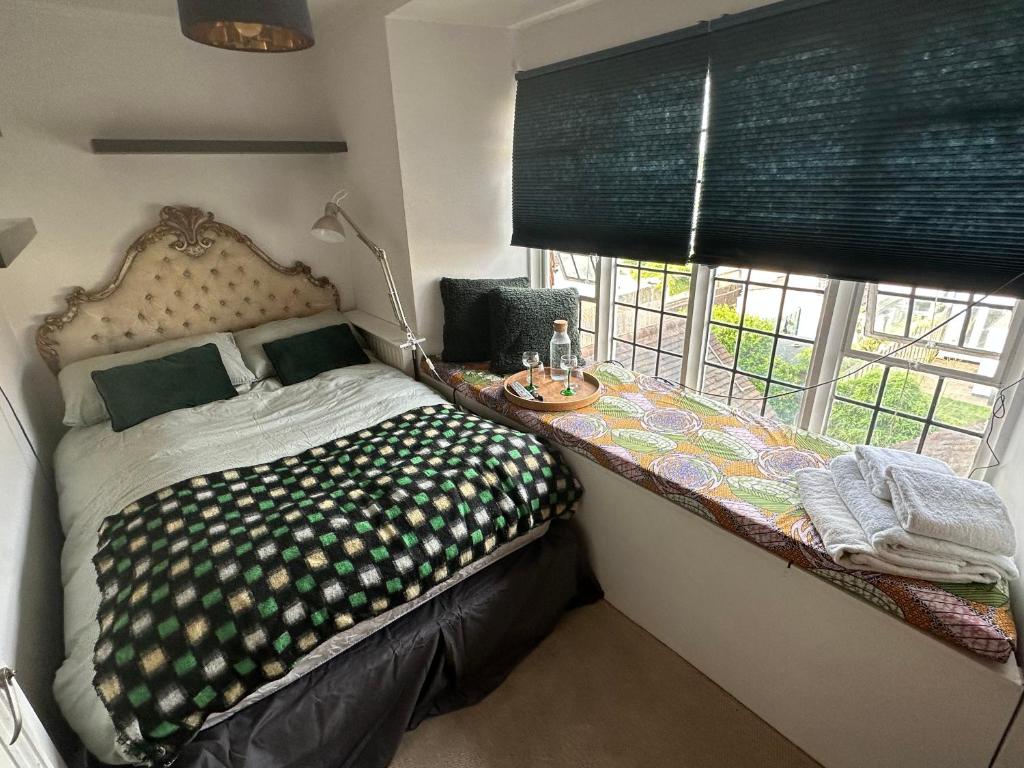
point(569, 364)
point(531, 360)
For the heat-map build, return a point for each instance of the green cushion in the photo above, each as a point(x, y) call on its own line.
point(137, 392)
point(306, 355)
point(521, 320)
point(467, 333)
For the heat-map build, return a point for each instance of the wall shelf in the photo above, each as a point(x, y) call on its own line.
point(15, 234)
point(214, 147)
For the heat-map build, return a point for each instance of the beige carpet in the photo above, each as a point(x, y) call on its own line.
point(601, 693)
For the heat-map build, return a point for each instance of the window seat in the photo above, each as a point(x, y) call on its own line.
point(735, 470)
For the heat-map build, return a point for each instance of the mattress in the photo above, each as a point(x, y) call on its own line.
point(100, 472)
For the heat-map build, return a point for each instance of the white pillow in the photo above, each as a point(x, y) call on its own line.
point(83, 405)
point(250, 341)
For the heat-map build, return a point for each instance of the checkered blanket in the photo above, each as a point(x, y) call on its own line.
point(218, 585)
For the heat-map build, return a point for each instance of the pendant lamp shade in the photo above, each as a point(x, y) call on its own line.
point(270, 26)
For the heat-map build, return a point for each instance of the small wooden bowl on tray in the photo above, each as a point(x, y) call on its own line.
point(588, 389)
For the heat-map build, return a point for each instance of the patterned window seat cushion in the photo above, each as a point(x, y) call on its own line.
point(736, 470)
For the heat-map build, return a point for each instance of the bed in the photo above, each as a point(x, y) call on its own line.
point(349, 551)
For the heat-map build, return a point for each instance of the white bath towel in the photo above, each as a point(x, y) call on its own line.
point(847, 543)
point(873, 462)
point(892, 542)
point(955, 509)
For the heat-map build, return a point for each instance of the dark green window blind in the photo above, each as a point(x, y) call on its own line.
point(871, 140)
point(606, 147)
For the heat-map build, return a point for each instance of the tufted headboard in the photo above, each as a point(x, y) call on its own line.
point(187, 275)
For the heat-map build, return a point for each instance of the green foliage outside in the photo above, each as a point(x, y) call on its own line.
point(678, 285)
point(755, 357)
point(908, 393)
point(904, 393)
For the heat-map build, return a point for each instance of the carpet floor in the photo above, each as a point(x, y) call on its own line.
point(600, 692)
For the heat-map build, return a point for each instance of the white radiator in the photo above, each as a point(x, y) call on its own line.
point(383, 338)
point(32, 747)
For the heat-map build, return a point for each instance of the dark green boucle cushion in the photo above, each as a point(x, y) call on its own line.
point(521, 320)
point(467, 334)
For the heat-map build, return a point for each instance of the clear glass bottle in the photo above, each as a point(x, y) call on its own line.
point(560, 345)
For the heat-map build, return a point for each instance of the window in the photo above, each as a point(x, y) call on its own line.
point(768, 333)
point(568, 270)
point(761, 335)
point(902, 313)
point(932, 397)
point(650, 307)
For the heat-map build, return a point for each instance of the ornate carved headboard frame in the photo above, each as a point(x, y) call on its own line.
point(187, 275)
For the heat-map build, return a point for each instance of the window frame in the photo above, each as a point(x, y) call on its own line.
point(872, 291)
point(878, 408)
point(776, 335)
point(1011, 361)
point(833, 342)
point(546, 270)
point(663, 313)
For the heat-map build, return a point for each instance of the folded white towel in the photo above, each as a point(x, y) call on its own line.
point(955, 509)
point(891, 542)
point(847, 543)
point(873, 462)
point(878, 518)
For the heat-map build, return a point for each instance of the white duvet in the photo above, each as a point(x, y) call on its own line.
point(99, 472)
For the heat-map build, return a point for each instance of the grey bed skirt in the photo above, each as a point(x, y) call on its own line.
point(447, 653)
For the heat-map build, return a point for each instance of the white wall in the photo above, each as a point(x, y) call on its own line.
point(30, 594)
point(352, 56)
point(454, 95)
point(608, 23)
point(1008, 479)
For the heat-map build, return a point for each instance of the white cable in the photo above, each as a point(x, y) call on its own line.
point(21, 426)
point(998, 412)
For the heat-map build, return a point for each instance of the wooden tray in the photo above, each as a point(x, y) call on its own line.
point(588, 389)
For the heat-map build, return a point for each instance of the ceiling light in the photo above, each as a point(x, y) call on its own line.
point(271, 26)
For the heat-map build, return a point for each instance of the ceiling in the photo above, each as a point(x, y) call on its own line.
point(479, 13)
point(169, 8)
point(486, 13)
point(143, 7)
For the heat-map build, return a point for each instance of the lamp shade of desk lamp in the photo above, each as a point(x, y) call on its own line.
point(329, 227)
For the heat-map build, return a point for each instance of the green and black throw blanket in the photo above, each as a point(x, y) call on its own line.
point(218, 585)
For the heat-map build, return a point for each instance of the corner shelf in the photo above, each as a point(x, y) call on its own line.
point(15, 235)
point(214, 147)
